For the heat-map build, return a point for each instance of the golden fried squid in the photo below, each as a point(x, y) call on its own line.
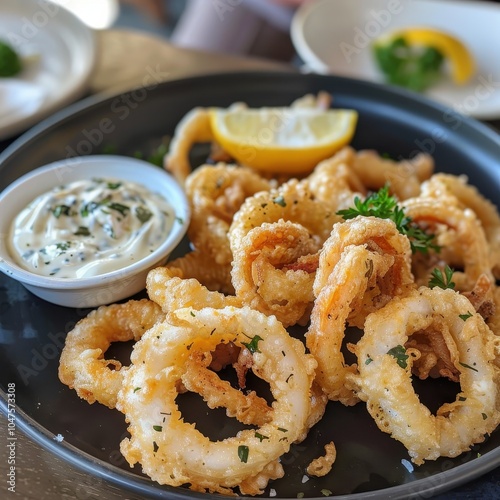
point(385, 367)
point(460, 236)
point(274, 268)
point(193, 128)
point(352, 281)
point(457, 190)
point(174, 452)
point(403, 177)
point(82, 365)
point(216, 192)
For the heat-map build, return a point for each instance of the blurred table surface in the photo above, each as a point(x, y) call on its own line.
point(41, 475)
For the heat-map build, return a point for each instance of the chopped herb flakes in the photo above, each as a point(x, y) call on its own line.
point(465, 317)
point(243, 452)
point(260, 436)
point(59, 210)
point(89, 222)
point(157, 428)
point(82, 231)
point(252, 346)
point(143, 214)
point(399, 352)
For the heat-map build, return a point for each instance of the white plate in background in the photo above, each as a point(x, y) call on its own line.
point(98, 14)
point(336, 36)
point(59, 54)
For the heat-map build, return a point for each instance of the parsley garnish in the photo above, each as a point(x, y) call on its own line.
point(123, 209)
point(465, 317)
point(368, 360)
point(157, 428)
point(243, 453)
point(63, 246)
point(260, 436)
point(384, 206)
point(114, 185)
point(252, 346)
point(399, 352)
point(82, 231)
point(143, 214)
point(59, 210)
point(407, 66)
point(155, 447)
point(442, 279)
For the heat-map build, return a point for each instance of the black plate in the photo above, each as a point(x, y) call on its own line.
point(369, 461)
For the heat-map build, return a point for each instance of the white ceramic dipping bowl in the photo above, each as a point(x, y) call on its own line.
point(105, 288)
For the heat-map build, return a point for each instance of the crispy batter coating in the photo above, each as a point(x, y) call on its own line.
point(385, 367)
point(174, 452)
point(82, 365)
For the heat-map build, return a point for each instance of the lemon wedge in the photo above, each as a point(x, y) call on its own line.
point(282, 139)
point(460, 59)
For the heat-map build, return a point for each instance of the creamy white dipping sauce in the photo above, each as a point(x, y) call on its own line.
point(90, 227)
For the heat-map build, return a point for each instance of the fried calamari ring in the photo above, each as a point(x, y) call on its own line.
point(174, 452)
point(403, 177)
point(334, 182)
point(194, 127)
point(459, 234)
point(358, 275)
point(292, 201)
point(166, 287)
point(82, 365)
point(202, 267)
point(274, 268)
point(246, 408)
point(215, 194)
point(378, 235)
point(467, 196)
point(385, 383)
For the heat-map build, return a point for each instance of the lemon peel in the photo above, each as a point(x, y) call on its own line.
point(282, 139)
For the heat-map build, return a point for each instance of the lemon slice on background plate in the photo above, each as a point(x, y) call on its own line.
point(455, 52)
point(282, 139)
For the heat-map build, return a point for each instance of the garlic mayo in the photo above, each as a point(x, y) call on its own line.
point(89, 227)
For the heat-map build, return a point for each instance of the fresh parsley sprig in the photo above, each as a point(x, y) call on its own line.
point(384, 206)
point(442, 278)
point(415, 68)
